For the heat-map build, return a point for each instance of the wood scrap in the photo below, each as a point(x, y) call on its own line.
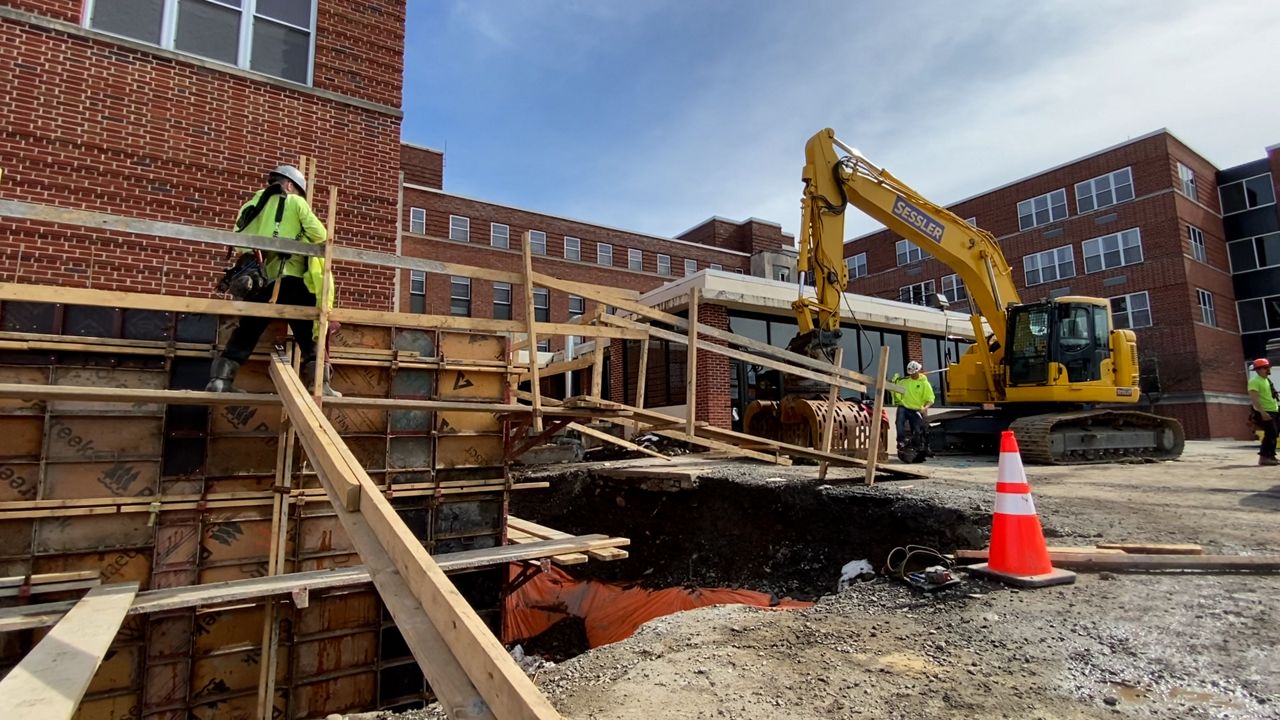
point(1125, 562)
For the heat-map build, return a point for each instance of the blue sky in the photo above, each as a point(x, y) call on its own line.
point(653, 115)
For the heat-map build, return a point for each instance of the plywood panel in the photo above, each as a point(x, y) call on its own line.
point(241, 455)
point(111, 707)
point(472, 385)
point(119, 669)
point(23, 437)
point(347, 610)
point(323, 535)
point(105, 377)
point(362, 336)
point(370, 452)
point(345, 694)
point(130, 478)
point(15, 538)
point(325, 655)
point(468, 451)
point(411, 421)
point(220, 629)
point(363, 380)
point(166, 682)
point(92, 532)
point(467, 517)
point(113, 566)
point(472, 346)
point(409, 452)
point(413, 384)
point(19, 481)
point(23, 375)
point(103, 438)
point(241, 707)
point(355, 420)
point(227, 539)
point(453, 422)
point(245, 418)
point(422, 342)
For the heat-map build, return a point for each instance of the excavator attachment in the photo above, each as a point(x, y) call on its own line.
point(799, 421)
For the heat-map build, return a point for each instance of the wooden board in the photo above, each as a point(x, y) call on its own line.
point(1156, 549)
point(1142, 563)
point(51, 679)
point(541, 531)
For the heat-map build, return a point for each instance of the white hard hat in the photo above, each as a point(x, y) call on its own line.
point(292, 174)
point(914, 367)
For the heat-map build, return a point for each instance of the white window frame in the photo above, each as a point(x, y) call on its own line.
point(460, 231)
point(1049, 258)
point(1093, 188)
point(1126, 241)
point(577, 307)
point(244, 56)
point(927, 290)
point(418, 221)
point(1195, 238)
point(1253, 248)
point(664, 265)
point(455, 282)
point(1187, 181)
point(542, 301)
point(1052, 200)
point(635, 259)
point(575, 244)
point(953, 287)
point(417, 282)
point(499, 240)
point(604, 254)
point(1241, 182)
point(907, 252)
point(544, 345)
point(856, 265)
point(1130, 314)
point(500, 287)
point(690, 266)
point(1208, 314)
point(537, 242)
point(715, 266)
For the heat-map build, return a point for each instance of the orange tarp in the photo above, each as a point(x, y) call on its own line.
point(610, 612)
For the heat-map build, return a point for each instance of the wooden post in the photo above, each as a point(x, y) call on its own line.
point(873, 442)
point(691, 365)
point(642, 371)
point(534, 380)
point(829, 424)
point(597, 358)
point(322, 335)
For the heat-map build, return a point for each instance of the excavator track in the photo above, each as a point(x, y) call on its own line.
point(1097, 436)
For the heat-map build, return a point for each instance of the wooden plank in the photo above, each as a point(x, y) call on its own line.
point(829, 417)
point(1154, 549)
point(546, 533)
point(560, 368)
point(1125, 561)
point(615, 440)
point(534, 380)
point(873, 440)
point(51, 679)
point(322, 333)
point(521, 538)
point(143, 301)
point(50, 587)
point(691, 366)
point(502, 684)
point(46, 578)
point(642, 371)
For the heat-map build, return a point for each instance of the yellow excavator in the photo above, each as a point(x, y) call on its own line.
point(1056, 372)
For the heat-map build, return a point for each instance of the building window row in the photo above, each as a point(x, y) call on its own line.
point(857, 265)
point(1259, 314)
point(921, 293)
point(1195, 238)
point(908, 252)
point(1042, 209)
point(1113, 251)
point(500, 237)
point(1254, 253)
point(1104, 191)
point(272, 37)
point(1049, 266)
point(954, 290)
point(1204, 299)
point(1131, 311)
point(1247, 194)
point(1187, 181)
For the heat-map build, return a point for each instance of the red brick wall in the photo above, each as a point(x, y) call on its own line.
point(749, 236)
point(92, 124)
point(422, 166)
point(713, 401)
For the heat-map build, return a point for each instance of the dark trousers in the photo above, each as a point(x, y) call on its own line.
point(908, 418)
point(293, 291)
point(1269, 428)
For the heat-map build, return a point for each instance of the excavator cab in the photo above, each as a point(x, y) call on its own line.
point(1069, 333)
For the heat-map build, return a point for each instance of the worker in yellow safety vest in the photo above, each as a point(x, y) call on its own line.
point(913, 402)
point(278, 210)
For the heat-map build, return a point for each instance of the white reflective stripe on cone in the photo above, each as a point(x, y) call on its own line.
point(1015, 504)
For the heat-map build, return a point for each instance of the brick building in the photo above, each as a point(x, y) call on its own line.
point(1251, 219)
point(1140, 223)
point(173, 111)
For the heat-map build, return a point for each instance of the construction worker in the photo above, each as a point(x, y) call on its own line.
point(278, 210)
point(1262, 396)
point(914, 402)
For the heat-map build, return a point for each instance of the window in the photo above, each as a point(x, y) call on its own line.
point(908, 253)
point(417, 291)
point(972, 221)
point(1131, 311)
point(418, 221)
point(1196, 237)
point(572, 248)
point(1050, 265)
point(918, 294)
point(604, 254)
point(1104, 190)
point(1113, 251)
point(1247, 194)
point(577, 306)
point(664, 264)
point(274, 39)
point(953, 287)
point(635, 259)
point(1187, 179)
point(690, 267)
point(1254, 253)
point(1259, 314)
point(537, 242)
point(1205, 299)
point(857, 265)
point(716, 266)
point(460, 296)
point(1042, 210)
point(501, 301)
point(459, 228)
point(541, 305)
point(499, 235)
point(544, 346)
point(783, 274)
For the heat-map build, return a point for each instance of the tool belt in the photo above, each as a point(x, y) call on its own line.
point(249, 273)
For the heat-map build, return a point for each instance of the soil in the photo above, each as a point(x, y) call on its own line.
point(1168, 645)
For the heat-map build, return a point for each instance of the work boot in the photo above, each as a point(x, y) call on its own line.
point(221, 374)
point(309, 378)
point(1264, 460)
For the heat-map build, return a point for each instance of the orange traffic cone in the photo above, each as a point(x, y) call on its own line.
point(1018, 554)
